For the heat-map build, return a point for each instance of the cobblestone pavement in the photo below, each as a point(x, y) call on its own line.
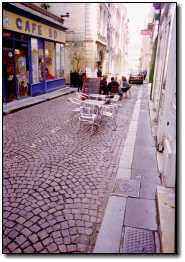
point(57, 177)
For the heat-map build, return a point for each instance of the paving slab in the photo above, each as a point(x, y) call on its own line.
point(144, 159)
point(138, 241)
point(109, 237)
point(146, 174)
point(123, 173)
point(127, 187)
point(166, 211)
point(140, 213)
point(144, 136)
point(148, 188)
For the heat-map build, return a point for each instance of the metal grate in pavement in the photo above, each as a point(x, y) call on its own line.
point(137, 241)
point(127, 187)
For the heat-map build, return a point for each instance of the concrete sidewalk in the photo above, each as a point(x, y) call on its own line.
point(30, 101)
point(130, 222)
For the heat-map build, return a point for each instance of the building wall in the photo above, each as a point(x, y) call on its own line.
point(118, 39)
point(164, 94)
point(96, 25)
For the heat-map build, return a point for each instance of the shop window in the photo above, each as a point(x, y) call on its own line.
point(50, 60)
point(59, 60)
point(34, 51)
point(62, 60)
point(22, 71)
point(58, 66)
point(41, 60)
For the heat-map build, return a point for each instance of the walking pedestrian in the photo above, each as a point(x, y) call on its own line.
point(99, 72)
point(125, 87)
point(145, 73)
point(82, 76)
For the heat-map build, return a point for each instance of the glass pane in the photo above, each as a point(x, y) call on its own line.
point(50, 60)
point(34, 51)
point(22, 72)
point(58, 75)
point(62, 60)
point(41, 60)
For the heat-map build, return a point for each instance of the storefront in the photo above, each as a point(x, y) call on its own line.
point(33, 57)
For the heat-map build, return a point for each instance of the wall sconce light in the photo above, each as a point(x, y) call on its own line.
point(66, 15)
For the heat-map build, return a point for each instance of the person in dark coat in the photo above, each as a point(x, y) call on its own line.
point(99, 72)
point(113, 88)
point(144, 73)
point(103, 86)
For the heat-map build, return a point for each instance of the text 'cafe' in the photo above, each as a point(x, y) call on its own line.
point(33, 55)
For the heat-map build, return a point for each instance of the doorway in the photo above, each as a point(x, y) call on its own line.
point(15, 66)
point(9, 80)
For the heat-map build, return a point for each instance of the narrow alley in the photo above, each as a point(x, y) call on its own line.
point(89, 128)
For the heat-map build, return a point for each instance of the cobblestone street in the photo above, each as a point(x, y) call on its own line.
point(57, 177)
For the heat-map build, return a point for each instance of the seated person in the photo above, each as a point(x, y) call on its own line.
point(125, 86)
point(113, 88)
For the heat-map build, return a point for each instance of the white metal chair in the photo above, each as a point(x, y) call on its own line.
point(88, 114)
point(115, 99)
point(75, 111)
point(111, 112)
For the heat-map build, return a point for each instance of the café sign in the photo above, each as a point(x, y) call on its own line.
point(28, 26)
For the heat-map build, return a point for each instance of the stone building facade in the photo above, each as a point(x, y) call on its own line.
point(164, 93)
point(94, 36)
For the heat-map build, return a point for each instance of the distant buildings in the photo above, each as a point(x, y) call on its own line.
point(94, 37)
point(147, 43)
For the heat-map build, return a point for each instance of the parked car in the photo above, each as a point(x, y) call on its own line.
point(136, 78)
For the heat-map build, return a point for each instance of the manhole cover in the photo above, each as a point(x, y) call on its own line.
point(138, 241)
point(127, 187)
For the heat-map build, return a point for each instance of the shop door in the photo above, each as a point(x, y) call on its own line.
point(9, 80)
point(22, 69)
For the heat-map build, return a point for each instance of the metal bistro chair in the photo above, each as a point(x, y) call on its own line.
point(110, 111)
point(75, 101)
point(89, 114)
point(76, 110)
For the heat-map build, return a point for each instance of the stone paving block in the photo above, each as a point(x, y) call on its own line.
point(141, 213)
point(144, 158)
point(148, 188)
point(137, 241)
point(147, 139)
point(123, 173)
point(59, 166)
point(153, 176)
point(109, 236)
point(127, 187)
point(126, 160)
point(166, 211)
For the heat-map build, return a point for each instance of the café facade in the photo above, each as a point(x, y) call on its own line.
point(32, 53)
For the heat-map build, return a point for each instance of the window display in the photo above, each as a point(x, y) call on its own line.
point(21, 54)
point(59, 60)
point(58, 75)
point(34, 51)
point(62, 60)
point(41, 60)
point(50, 60)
